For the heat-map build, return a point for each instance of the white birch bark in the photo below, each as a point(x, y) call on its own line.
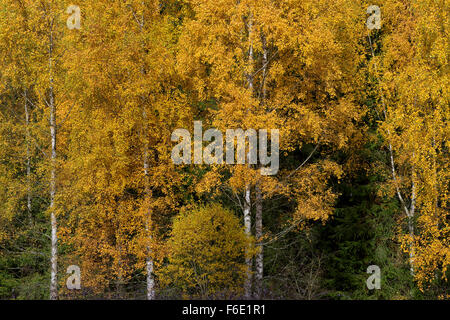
point(54, 237)
point(258, 234)
point(149, 260)
point(28, 162)
point(149, 265)
point(247, 194)
point(259, 260)
point(247, 226)
point(410, 212)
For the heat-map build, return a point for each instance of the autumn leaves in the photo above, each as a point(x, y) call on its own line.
point(233, 137)
point(277, 95)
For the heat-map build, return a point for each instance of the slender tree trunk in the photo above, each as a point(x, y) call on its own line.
point(54, 238)
point(120, 279)
point(411, 245)
point(409, 212)
point(410, 215)
point(150, 280)
point(436, 184)
point(258, 234)
point(248, 230)
point(28, 162)
point(247, 194)
point(259, 260)
point(149, 260)
point(265, 67)
point(147, 193)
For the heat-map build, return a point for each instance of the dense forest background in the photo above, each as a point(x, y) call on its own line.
point(89, 100)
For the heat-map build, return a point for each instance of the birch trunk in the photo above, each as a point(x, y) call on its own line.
point(248, 259)
point(258, 234)
point(411, 246)
point(28, 162)
point(54, 238)
point(259, 260)
point(408, 211)
point(247, 195)
point(410, 214)
point(147, 193)
point(149, 260)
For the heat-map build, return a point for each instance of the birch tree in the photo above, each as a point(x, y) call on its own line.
point(414, 103)
point(43, 28)
point(276, 65)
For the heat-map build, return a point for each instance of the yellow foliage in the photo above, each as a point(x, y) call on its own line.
point(206, 253)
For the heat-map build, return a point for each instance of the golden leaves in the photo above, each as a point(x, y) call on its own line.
point(206, 252)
